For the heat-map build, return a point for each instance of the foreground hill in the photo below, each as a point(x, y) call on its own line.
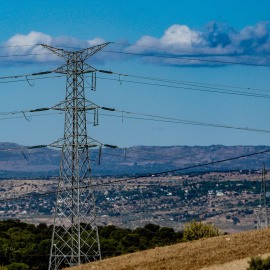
point(213, 253)
point(45, 162)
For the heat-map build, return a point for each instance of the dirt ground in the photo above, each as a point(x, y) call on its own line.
point(237, 264)
point(223, 252)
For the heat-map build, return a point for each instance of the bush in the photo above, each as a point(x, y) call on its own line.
point(18, 266)
point(197, 230)
point(235, 220)
point(152, 227)
point(259, 264)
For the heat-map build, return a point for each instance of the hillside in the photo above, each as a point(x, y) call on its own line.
point(211, 253)
point(45, 162)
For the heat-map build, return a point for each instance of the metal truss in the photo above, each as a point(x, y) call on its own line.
point(262, 213)
point(75, 237)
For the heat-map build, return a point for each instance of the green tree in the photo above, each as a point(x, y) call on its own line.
point(130, 240)
point(152, 227)
point(197, 230)
point(106, 231)
point(18, 266)
point(109, 247)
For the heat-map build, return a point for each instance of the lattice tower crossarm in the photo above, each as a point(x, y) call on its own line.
point(75, 237)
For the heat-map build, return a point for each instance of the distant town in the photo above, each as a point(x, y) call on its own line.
point(228, 199)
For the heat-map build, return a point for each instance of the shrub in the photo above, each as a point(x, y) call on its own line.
point(197, 230)
point(18, 266)
point(235, 220)
point(152, 227)
point(259, 264)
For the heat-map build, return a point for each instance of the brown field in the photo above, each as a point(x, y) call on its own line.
point(223, 252)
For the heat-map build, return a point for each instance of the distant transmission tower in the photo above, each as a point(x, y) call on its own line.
point(75, 237)
point(263, 220)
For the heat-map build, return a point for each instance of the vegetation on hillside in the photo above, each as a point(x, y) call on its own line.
point(258, 263)
point(26, 246)
point(197, 230)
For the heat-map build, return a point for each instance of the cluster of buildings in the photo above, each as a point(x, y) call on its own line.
point(24, 207)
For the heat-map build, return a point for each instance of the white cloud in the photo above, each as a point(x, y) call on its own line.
point(26, 45)
point(31, 39)
point(95, 41)
point(217, 42)
point(181, 35)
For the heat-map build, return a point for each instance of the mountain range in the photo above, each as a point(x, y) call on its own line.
point(18, 162)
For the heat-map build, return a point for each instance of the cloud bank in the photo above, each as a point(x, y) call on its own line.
point(218, 42)
point(216, 45)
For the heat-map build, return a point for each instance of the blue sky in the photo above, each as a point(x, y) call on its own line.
point(232, 31)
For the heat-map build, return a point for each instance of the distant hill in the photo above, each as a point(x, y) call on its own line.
point(222, 252)
point(44, 162)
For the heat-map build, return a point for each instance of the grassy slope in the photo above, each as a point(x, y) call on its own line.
point(192, 255)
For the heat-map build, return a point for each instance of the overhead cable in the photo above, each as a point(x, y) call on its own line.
point(187, 58)
point(35, 115)
point(183, 121)
point(157, 118)
point(225, 91)
point(180, 81)
point(152, 55)
point(151, 47)
point(138, 177)
point(189, 51)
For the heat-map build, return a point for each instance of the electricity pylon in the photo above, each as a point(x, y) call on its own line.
point(263, 219)
point(75, 237)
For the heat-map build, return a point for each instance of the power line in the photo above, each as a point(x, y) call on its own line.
point(223, 91)
point(134, 45)
point(141, 158)
point(27, 75)
point(106, 154)
point(32, 153)
point(230, 92)
point(152, 55)
point(181, 81)
point(183, 121)
point(164, 118)
point(26, 111)
point(31, 79)
point(23, 55)
point(188, 51)
point(24, 147)
point(202, 182)
point(200, 84)
point(57, 151)
point(161, 118)
point(35, 115)
point(138, 177)
point(130, 157)
point(151, 47)
point(188, 58)
point(186, 168)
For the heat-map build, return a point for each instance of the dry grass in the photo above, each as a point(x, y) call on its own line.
point(193, 255)
point(237, 264)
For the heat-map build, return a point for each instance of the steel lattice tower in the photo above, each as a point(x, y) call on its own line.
point(263, 219)
point(75, 237)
